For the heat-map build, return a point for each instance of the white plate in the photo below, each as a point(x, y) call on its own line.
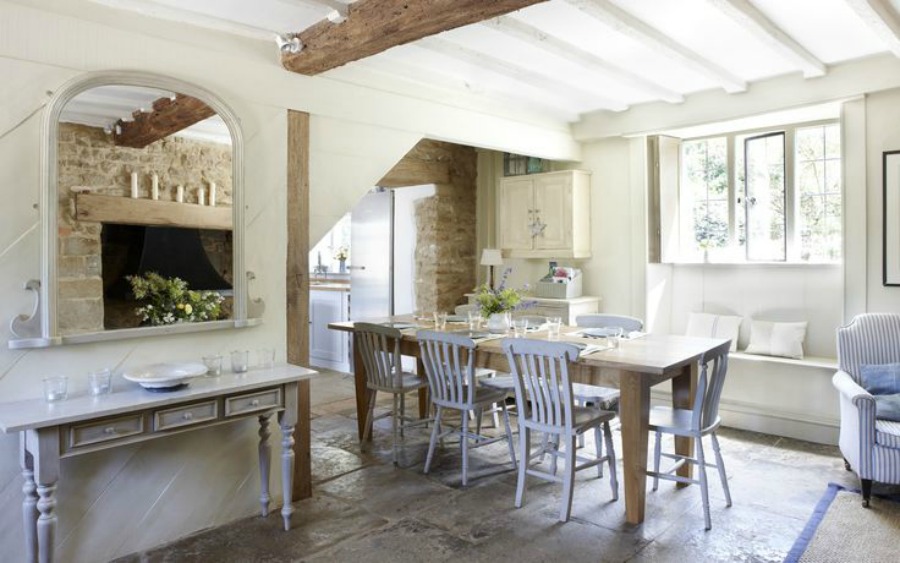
point(161, 376)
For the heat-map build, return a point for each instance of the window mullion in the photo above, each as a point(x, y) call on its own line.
point(732, 188)
point(791, 207)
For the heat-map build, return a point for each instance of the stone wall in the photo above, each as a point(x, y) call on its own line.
point(88, 158)
point(445, 222)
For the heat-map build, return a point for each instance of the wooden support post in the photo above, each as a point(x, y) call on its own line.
point(298, 289)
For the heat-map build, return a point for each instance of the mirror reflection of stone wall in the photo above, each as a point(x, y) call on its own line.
point(90, 264)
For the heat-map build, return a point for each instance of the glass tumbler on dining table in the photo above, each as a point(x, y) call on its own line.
point(440, 320)
point(100, 382)
point(56, 388)
point(553, 325)
point(474, 317)
point(239, 361)
point(520, 327)
point(613, 335)
point(265, 358)
point(213, 365)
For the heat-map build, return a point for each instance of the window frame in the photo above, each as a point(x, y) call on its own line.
point(733, 253)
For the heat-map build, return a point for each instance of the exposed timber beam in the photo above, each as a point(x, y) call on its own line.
point(525, 32)
point(169, 116)
point(765, 30)
point(623, 22)
point(516, 72)
point(373, 26)
point(881, 18)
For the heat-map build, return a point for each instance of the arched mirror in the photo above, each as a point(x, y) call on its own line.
point(142, 214)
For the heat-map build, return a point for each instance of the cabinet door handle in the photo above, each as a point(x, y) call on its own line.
point(109, 430)
point(254, 403)
point(187, 416)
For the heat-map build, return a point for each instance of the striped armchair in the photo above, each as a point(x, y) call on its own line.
point(871, 447)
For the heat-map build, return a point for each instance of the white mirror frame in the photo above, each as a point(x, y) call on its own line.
point(40, 329)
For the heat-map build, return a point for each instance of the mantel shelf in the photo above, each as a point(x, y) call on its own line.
point(127, 211)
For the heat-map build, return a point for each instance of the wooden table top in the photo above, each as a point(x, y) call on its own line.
point(653, 353)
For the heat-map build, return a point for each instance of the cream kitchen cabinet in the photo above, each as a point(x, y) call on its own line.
point(545, 215)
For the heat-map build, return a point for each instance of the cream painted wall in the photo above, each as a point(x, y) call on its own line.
point(113, 503)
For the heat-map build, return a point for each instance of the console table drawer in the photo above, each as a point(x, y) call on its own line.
point(105, 430)
point(185, 415)
point(259, 401)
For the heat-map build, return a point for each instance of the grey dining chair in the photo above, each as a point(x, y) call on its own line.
point(449, 365)
point(700, 421)
point(545, 402)
point(380, 352)
point(603, 320)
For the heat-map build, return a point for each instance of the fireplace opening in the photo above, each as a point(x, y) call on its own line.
point(201, 257)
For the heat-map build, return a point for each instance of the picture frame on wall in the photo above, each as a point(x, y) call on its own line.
point(891, 218)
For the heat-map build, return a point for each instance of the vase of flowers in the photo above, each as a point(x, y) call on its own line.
point(169, 301)
point(341, 256)
point(497, 303)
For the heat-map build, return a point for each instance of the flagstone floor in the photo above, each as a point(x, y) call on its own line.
point(365, 509)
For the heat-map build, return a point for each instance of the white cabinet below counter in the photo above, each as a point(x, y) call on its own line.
point(329, 348)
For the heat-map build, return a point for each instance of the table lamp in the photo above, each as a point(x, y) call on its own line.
point(491, 257)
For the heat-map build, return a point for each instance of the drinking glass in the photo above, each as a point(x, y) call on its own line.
point(100, 382)
point(613, 335)
point(553, 324)
point(265, 358)
point(56, 388)
point(520, 327)
point(239, 360)
point(213, 365)
point(440, 320)
point(474, 319)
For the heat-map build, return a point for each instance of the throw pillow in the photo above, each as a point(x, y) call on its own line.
point(714, 326)
point(777, 339)
point(887, 407)
point(880, 379)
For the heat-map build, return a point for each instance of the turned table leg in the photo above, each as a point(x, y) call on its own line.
point(265, 461)
point(287, 419)
point(29, 503)
point(44, 447)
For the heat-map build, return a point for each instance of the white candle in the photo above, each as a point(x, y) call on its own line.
point(155, 186)
point(134, 185)
point(201, 196)
point(179, 194)
point(212, 194)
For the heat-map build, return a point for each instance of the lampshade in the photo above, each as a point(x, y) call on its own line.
point(491, 257)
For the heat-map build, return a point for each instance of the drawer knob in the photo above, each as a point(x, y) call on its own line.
point(109, 430)
point(254, 403)
point(187, 415)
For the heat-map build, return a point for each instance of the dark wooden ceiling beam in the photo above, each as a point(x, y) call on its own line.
point(373, 26)
point(169, 116)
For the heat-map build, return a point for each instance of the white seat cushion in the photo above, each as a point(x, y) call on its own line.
point(887, 433)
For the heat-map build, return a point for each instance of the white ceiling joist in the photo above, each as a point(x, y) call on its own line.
point(623, 22)
point(533, 35)
point(755, 22)
point(163, 12)
point(510, 70)
point(881, 19)
point(339, 10)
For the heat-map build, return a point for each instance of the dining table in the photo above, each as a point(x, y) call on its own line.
point(634, 366)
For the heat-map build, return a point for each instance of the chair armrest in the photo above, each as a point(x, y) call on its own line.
point(857, 435)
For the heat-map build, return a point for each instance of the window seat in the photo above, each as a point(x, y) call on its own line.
point(807, 361)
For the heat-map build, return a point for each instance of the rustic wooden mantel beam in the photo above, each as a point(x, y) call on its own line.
point(168, 116)
point(373, 26)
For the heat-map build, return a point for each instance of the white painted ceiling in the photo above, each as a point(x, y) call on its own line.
point(566, 58)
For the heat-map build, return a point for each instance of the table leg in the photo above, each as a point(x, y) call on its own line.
point(44, 447)
point(635, 416)
point(29, 504)
point(423, 391)
point(286, 420)
point(683, 388)
point(362, 391)
point(265, 460)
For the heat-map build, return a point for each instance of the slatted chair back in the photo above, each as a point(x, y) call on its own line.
point(602, 320)
point(713, 368)
point(541, 374)
point(870, 338)
point(449, 361)
point(380, 352)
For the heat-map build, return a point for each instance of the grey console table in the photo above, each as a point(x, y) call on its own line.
point(82, 424)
